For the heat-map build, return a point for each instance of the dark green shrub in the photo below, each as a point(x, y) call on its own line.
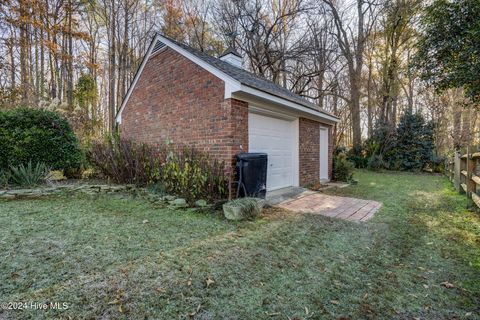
point(414, 145)
point(342, 168)
point(409, 146)
point(124, 161)
point(376, 163)
point(339, 149)
point(29, 175)
point(4, 178)
point(437, 164)
point(38, 136)
point(356, 156)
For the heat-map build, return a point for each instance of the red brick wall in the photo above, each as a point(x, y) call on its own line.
point(177, 100)
point(309, 153)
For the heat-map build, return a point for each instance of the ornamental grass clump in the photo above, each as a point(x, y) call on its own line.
point(29, 175)
point(243, 208)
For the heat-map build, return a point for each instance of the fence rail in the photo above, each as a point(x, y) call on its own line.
point(462, 171)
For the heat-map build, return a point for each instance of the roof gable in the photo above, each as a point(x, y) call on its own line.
point(233, 76)
point(248, 78)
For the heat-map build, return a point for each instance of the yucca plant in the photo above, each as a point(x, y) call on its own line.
point(29, 175)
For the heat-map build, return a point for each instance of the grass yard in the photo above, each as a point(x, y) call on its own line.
point(419, 258)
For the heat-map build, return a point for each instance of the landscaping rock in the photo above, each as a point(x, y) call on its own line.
point(241, 209)
point(233, 212)
point(201, 203)
point(168, 198)
point(178, 203)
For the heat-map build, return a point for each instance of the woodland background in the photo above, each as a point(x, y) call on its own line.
point(353, 58)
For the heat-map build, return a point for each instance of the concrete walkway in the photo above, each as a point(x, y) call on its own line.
point(331, 206)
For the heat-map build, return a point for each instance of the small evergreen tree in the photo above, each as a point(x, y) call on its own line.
point(414, 143)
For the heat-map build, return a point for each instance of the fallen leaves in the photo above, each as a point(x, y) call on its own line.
point(209, 281)
point(192, 314)
point(447, 285)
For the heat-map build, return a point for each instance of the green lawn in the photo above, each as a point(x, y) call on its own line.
point(106, 261)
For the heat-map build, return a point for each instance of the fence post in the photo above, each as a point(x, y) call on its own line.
point(470, 172)
point(456, 171)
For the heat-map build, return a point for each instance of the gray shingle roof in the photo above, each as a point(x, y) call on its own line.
point(232, 51)
point(249, 79)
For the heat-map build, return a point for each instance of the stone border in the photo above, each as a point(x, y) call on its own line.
point(85, 188)
point(99, 189)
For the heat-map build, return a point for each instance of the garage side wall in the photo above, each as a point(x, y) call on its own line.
point(176, 100)
point(309, 153)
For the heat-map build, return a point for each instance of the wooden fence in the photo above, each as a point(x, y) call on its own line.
point(463, 172)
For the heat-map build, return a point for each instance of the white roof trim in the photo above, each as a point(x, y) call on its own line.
point(223, 76)
point(231, 85)
point(288, 103)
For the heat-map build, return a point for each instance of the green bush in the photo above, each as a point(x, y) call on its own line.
point(376, 163)
point(437, 164)
point(193, 175)
point(409, 146)
point(356, 157)
point(38, 136)
point(29, 175)
point(4, 178)
point(414, 144)
point(342, 168)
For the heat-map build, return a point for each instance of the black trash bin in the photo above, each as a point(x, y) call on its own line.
point(252, 175)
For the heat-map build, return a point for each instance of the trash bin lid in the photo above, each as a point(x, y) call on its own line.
point(251, 155)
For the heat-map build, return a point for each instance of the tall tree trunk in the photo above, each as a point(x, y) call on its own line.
point(369, 99)
point(355, 114)
point(69, 74)
point(24, 78)
point(111, 76)
point(12, 64)
point(42, 64)
point(37, 72)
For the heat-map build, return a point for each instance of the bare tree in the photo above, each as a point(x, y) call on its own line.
point(352, 43)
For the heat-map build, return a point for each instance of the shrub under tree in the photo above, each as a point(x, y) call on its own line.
point(409, 146)
point(37, 136)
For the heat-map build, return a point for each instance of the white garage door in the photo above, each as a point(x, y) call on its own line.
point(323, 154)
point(276, 138)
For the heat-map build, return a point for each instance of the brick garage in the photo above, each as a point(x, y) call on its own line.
point(188, 98)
